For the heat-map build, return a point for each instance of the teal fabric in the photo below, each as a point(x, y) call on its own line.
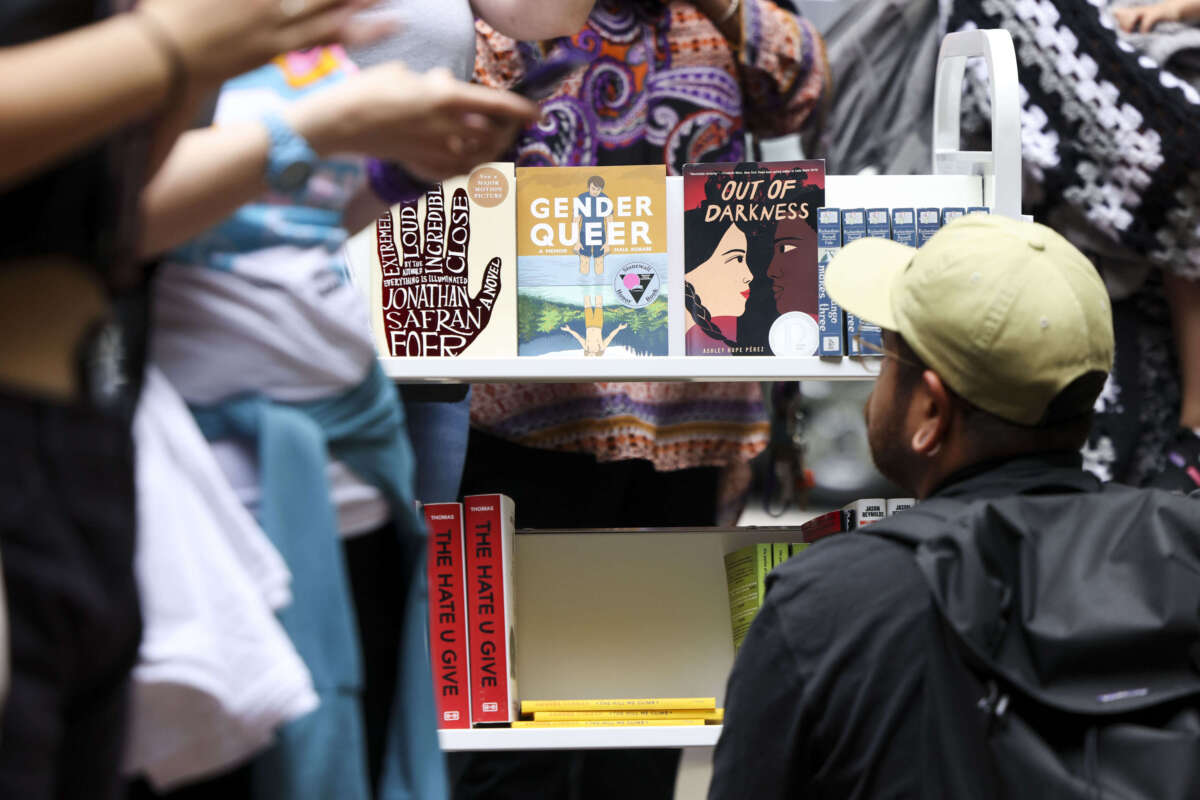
point(323, 755)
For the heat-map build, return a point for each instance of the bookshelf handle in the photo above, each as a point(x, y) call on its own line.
point(1003, 163)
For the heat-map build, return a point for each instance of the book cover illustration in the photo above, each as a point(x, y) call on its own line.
point(592, 261)
point(750, 257)
point(448, 614)
point(442, 279)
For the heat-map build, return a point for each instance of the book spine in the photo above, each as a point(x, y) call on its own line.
point(673, 713)
point(620, 704)
point(869, 510)
point(799, 547)
point(743, 592)
point(904, 226)
point(830, 323)
point(879, 224)
point(448, 614)
point(979, 210)
point(895, 504)
point(878, 227)
point(764, 562)
point(821, 526)
point(854, 227)
point(609, 723)
point(951, 213)
point(780, 552)
point(489, 520)
point(929, 221)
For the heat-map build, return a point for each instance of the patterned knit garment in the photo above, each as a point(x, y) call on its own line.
point(1103, 128)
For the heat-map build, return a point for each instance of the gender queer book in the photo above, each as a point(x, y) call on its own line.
point(489, 521)
point(592, 261)
point(750, 257)
point(448, 614)
point(929, 221)
point(904, 226)
point(443, 268)
point(829, 314)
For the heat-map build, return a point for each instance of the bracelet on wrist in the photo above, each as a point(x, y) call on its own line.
point(177, 73)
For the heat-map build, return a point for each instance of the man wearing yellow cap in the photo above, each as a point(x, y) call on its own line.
point(1023, 628)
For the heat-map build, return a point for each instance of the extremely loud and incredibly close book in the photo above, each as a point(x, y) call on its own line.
point(750, 257)
point(442, 276)
point(448, 614)
point(489, 529)
point(592, 261)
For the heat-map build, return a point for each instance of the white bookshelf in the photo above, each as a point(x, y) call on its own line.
point(620, 613)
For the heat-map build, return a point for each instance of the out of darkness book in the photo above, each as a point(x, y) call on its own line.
point(750, 257)
point(592, 261)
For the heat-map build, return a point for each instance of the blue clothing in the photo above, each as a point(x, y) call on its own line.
point(593, 233)
point(322, 755)
point(438, 431)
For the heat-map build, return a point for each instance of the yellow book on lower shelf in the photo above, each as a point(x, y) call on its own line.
point(608, 723)
point(717, 715)
point(620, 704)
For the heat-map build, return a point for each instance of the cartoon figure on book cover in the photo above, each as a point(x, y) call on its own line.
point(592, 210)
point(592, 266)
point(750, 257)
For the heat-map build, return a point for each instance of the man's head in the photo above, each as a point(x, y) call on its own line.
point(998, 338)
point(595, 185)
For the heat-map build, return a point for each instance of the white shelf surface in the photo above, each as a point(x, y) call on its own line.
point(578, 738)
point(662, 368)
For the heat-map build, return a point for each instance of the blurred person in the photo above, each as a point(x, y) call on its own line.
point(667, 83)
point(442, 34)
point(76, 148)
point(873, 670)
point(256, 323)
point(1143, 18)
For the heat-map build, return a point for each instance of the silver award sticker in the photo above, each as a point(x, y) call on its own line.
point(794, 333)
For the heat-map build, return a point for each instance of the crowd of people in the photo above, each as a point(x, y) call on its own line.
point(213, 574)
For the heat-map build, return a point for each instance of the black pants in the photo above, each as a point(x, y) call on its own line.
point(67, 523)
point(373, 560)
point(572, 490)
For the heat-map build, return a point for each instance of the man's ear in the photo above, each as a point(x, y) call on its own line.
point(934, 407)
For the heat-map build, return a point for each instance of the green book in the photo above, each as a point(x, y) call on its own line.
point(782, 552)
point(799, 547)
point(745, 577)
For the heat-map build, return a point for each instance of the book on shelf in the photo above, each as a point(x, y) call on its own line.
point(979, 210)
point(929, 222)
point(620, 704)
point(854, 227)
point(714, 715)
point(951, 213)
point(443, 269)
point(863, 512)
point(878, 226)
point(823, 525)
point(746, 571)
point(592, 261)
point(750, 257)
point(895, 504)
point(610, 723)
point(489, 522)
point(904, 226)
point(830, 323)
point(448, 614)
point(780, 552)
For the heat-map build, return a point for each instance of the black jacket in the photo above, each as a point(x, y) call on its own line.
point(845, 688)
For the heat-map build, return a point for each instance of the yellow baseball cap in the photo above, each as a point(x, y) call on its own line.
point(1008, 313)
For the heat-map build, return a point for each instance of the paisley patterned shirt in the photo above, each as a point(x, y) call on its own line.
point(663, 86)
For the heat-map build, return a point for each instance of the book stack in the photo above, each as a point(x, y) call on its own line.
point(620, 713)
point(746, 568)
point(471, 610)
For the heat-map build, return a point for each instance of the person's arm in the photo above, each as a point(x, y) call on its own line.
point(1144, 18)
point(761, 742)
point(534, 20)
point(608, 339)
point(213, 171)
point(578, 338)
point(63, 93)
point(786, 82)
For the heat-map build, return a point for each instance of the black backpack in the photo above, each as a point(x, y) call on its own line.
point(1068, 664)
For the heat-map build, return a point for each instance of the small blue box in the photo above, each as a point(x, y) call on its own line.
point(879, 225)
point(829, 314)
point(929, 220)
point(904, 226)
point(951, 213)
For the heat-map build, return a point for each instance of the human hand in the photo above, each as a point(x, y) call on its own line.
point(565, 328)
point(217, 40)
point(1144, 18)
point(436, 127)
point(427, 307)
point(621, 327)
point(604, 250)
